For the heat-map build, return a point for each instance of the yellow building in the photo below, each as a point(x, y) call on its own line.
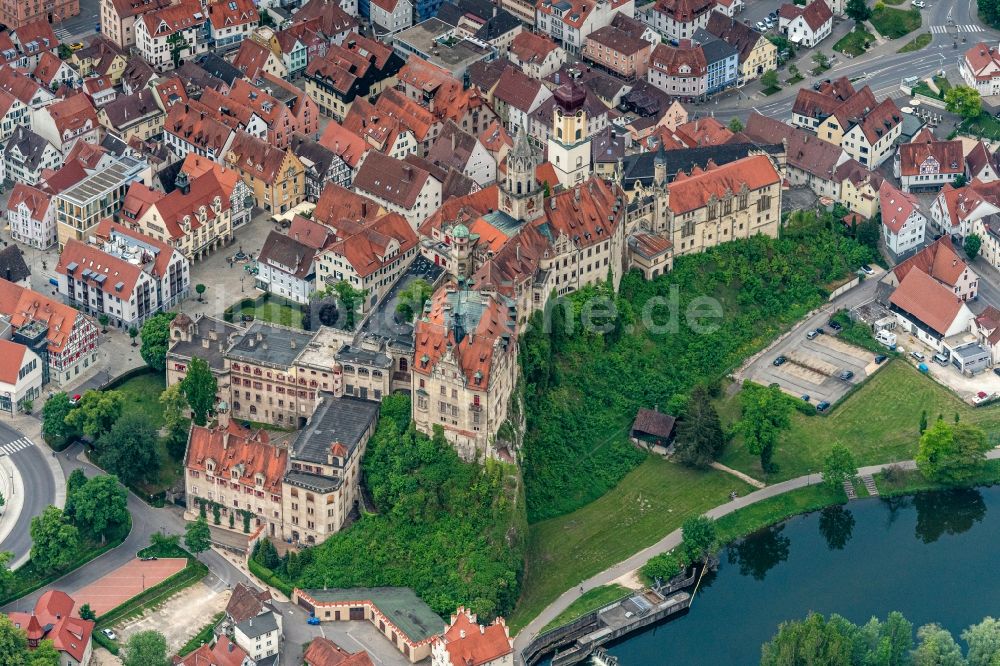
point(756, 52)
point(133, 116)
point(858, 188)
point(275, 176)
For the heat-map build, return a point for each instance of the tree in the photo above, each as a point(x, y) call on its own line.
point(822, 62)
point(964, 101)
point(129, 449)
point(700, 438)
point(764, 414)
point(858, 10)
point(54, 541)
point(960, 181)
point(983, 640)
point(197, 536)
point(45, 654)
point(839, 467)
point(13, 643)
point(735, 125)
point(990, 11)
point(156, 340)
point(104, 320)
point(145, 648)
point(699, 538)
point(133, 333)
point(936, 647)
point(173, 403)
point(54, 413)
point(769, 80)
point(87, 613)
point(663, 567)
point(200, 288)
point(76, 481)
point(951, 454)
point(973, 243)
point(816, 640)
point(164, 544)
point(101, 506)
point(96, 412)
point(349, 299)
point(412, 299)
point(199, 387)
point(793, 70)
point(923, 421)
point(7, 576)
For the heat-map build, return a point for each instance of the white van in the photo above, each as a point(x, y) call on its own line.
point(887, 338)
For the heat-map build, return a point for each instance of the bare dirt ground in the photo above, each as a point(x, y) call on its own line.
point(180, 617)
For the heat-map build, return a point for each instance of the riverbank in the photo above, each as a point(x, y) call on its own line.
point(753, 512)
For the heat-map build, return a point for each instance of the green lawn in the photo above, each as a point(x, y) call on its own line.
point(894, 23)
point(276, 313)
point(767, 512)
point(942, 83)
point(917, 43)
point(649, 503)
point(879, 422)
point(855, 42)
point(589, 601)
point(142, 395)
point(985, 126)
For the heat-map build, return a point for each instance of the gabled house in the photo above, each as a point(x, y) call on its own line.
point(118, 18)
point(465, 642)
point(980, 164)
point(536, 55)
point(348, 147)
point(191, 127)
point(810, 161)
point(806, 26)
point(926, 163)
point(940, 263)
point(275, 176)
point(678, 19)
point(254, 59)
point(68, 121)
point(135, 116)
point(515, 97)
point(859, 188)
point(463, 152)
point(231, 21)
point(27, 154)
point(756, 52)
point(928, 310)
point(31, 216)
point(902, 222)
point(980, 68)
point(956, 210)
point(13, 114)
point(361, 67)
point(53, 619)
point(35, 38)
point(53, 72)
point(175, 33)
point(398, 186)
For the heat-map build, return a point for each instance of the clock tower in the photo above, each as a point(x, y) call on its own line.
point(569, 144)
point(520, 196)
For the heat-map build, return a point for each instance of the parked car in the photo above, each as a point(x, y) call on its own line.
point(313, 620)
point(867, 270)
point(981, 396)
point(773, 16)
point(811, 334)
point(846, 375)
point(76, 46)
point(834, 325)
point(780, 360)
point(822, 406)
point(806, 398)
point(917, 355)
point(110, 635)
point(761, 26)
point(820, 331)
point(996, 371)
point(919, 4)
point(880, 359)
point(75, 399)
point(148, 558)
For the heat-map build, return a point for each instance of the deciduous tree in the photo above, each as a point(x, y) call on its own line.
point(983, 640)
point(199, 387)
point(973, 243)
point(936, 647)
point(54, 541)
point(698, 538)
point(54, 413)
point(101, 507)
point(858, 10)
point(87, 613)
point(412, 299)
point(769, 80)
point(145, 648)
point(349, 299)
point(197, 536)
point(838, 467)
point(96, 412)
point(964, 101)
point(13, 643)
point(45, 654)
point(174, 403)
point(765, 412)
point(129, 449)
point(700, 438)
point(156, 340)
point(735, 125)
point(951, 454)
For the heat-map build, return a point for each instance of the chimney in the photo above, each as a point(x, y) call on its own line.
point(225, 441)
point(461, 633)
point(454, 141)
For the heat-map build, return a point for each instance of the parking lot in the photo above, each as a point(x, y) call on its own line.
point(812, 366)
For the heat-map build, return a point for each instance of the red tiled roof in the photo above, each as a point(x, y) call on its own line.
point(367, 250)
point(251, 58)
point(582, 213)
point(517, 89)
point(239, 454)
point(39, 31)
point(344, 143)
point(202, 192)
point(530, 47)
point(11, 360)
point(896, 206)
point(324, 652)
point(24, 306)
point(983, 60)
point(73, 113)
point(127, 8)
point(938, 260)
point(815, 14)
point(471, 644)
point(979, 158)
point(222, 653)
point(164, 22)
point(108, 227)
point(672, 59)
point(36, 201)
point(948, 155)
point(423, 75)
point(683, 11)
point(337, 203)
point(393, 180)
point(47, 68)
point(231, 13)
point(114, 269)
point(194, 123)
point(691, 192)
point(928, 300)
point(255, 156)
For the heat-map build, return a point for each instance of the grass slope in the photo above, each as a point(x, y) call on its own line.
point(894, 23)
point(879, 422)
point(917, 43)
point(650, 502)
point(142, 395)
point(854, 43)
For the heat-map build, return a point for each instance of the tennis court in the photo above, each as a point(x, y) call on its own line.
point(127, 581)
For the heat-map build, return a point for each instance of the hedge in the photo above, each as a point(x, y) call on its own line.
point(190, 574)
point(270, 578)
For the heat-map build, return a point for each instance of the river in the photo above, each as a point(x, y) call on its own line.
point(933, 556)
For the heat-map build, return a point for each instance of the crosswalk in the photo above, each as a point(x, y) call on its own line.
point(19, 444)
point(945, 29)
point(62, 33)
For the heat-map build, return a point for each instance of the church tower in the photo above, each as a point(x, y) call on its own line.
point(569, 144)
point(520, 196)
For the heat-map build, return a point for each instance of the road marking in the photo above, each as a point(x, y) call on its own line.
point(17, 445)
point(943, 29)
point(62, 33)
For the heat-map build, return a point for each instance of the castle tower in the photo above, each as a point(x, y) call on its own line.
point(462, 250)
point(569, 144)
point(520, 196)
point(660, 167)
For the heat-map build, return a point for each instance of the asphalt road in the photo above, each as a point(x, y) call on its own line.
point(39, 487)
point(882, 68)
